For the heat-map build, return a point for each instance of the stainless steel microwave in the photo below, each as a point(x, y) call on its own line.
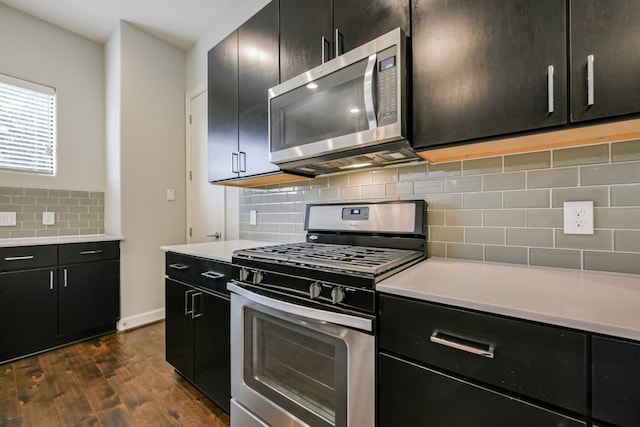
point(347, 113)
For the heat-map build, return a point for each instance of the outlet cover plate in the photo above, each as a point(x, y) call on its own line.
point(578, 217)
point(7, 219)
point(48, 218)
point(253, 217)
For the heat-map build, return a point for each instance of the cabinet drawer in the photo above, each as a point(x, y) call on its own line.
point(542, 362)
point(28, 257)
point(213, 275)
point(75, 253)
point(180, 267)
point(414, 396)
point(616, 380)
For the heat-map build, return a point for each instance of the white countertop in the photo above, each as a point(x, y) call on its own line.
point(607, 303)
point(220, 251)
point(57, 240)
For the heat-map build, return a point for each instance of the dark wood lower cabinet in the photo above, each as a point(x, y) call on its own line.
point(52, 295)
point(198, 327)
point(179, 334)
point(414, 395)
point(616, 381)
point(211, 348)
point(28, 303)
point(88, 298)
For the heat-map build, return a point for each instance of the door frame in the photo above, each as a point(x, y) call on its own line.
point(198, 90)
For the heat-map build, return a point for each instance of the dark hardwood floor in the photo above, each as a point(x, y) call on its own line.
point(116, 380)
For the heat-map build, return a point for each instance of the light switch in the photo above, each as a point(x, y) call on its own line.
point(7, 219)
point(48, 218)
point(171, 194)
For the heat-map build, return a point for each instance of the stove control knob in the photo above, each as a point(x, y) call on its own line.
point(314, 290)
point(243, 275)
point(337, 295)
point(257, 277)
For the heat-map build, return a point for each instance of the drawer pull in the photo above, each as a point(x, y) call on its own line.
point(178, 266)
point(481, 349)
point(97, 251)
point(212, 275)
point(18, 258)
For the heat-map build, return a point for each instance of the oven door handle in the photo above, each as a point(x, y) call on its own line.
point(308, 312)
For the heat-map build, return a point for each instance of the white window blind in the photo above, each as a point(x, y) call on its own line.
point(27, 126)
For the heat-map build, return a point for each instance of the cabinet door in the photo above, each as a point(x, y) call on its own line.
point(412, 395)
point(607, 31)
point(179, 327)
point(258, 70)
point(616, 375)
point(89, 296)
point(302, 27)
point(28, 303)
point(212, 346)
point(360, 21)
point(481, 68)
point(223, 109)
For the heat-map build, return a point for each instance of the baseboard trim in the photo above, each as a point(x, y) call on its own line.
point(142, 319)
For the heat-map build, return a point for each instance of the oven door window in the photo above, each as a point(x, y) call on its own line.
point(300, 369)
point(329, 107)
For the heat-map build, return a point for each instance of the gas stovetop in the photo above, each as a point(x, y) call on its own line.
point(363, 259)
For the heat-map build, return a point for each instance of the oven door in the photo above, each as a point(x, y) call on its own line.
point(292, 366)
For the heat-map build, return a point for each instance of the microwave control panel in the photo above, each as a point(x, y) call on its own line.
point(387, 86)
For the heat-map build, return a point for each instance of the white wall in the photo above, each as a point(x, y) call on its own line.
point(34, 50)
point(235, 14)
point(151, 145)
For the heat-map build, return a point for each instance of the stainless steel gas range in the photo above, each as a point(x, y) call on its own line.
point(303, 315)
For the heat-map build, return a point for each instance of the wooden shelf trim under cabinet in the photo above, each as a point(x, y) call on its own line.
point(260, 180)
point(587, 135)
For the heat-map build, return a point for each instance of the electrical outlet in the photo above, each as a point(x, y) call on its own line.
point(578, 217)
point(7, 219)
point(48, 218)
point(171, 195)
point(253, 217)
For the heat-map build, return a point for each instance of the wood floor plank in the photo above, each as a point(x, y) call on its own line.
point(9, 406)
point(35, 398)
point(68, 397)
point(118, 380)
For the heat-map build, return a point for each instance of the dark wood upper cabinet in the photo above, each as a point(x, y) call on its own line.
point(607, 34)
point(360, 21)
point(305, 26)
point(223, 109)
point(258, 70)
point(481, 68)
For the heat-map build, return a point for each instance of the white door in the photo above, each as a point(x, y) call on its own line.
point(205, 202)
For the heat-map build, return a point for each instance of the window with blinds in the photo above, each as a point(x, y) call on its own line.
point(27, 126)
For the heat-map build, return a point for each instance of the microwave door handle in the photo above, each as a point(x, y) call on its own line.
point(368, 91)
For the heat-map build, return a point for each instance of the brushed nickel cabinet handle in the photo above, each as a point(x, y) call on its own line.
point(550, 100)
point(51, 280)
point(464, 344)
point(18, 258)
point(178, 266)
point(590, 81)
point(325, 43)
point(65, 277)
point(186, 302)
point(97, 251)
point(212, 274)
point(194, 313)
